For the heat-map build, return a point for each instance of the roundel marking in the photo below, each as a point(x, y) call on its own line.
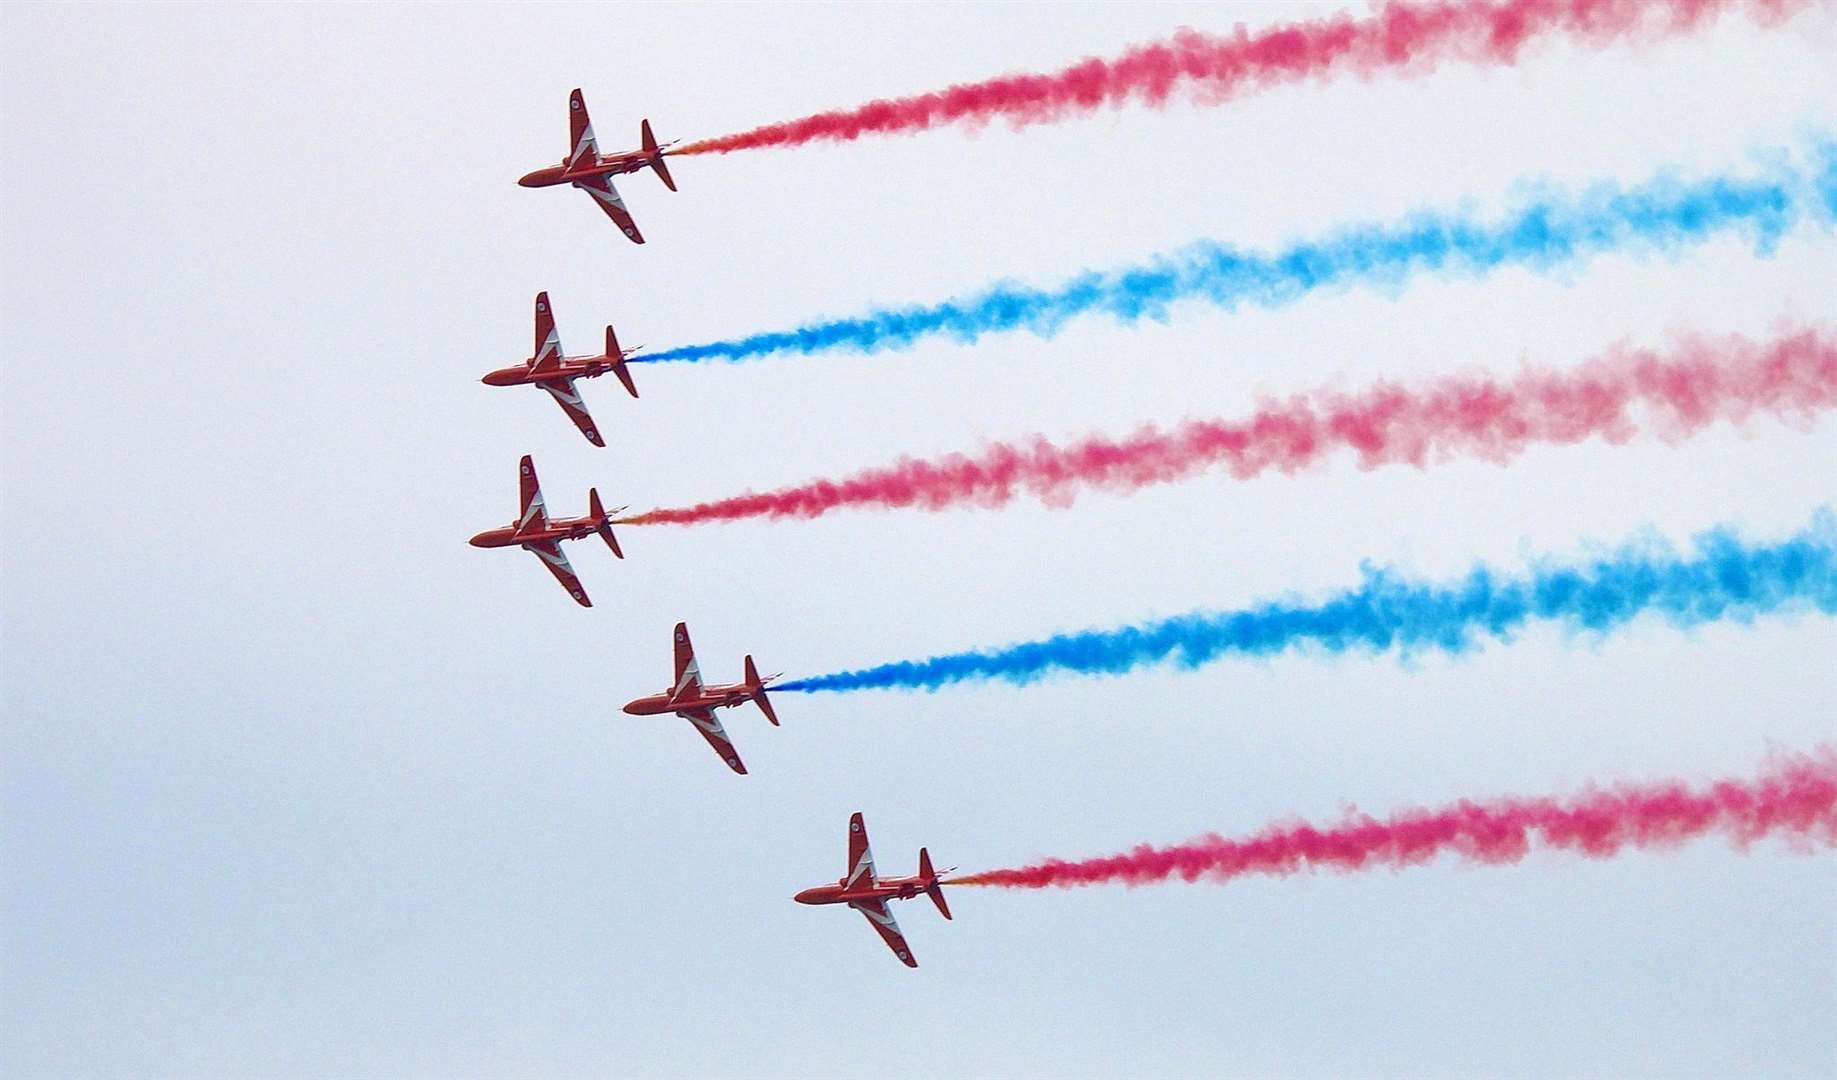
point(679, 635)
point(903, 956)
point(526, 470)
point(628, 232)
point(735, 762)
point(576, 593)
point(542, 307)
point(574, 103)
point(854, 826)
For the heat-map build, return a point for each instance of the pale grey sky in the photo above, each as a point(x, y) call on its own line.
point(296, 783)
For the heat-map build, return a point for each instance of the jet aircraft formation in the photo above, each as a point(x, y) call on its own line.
point(1484, 245)
point(533, 530)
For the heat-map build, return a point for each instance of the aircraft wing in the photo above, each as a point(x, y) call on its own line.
point(531, 513)
point(566, 396)
point(547, 352)
point(550, 554)
point(688, 673)
point(711, 729)
point(882, 921)
point(600, 187)
point(860, 856)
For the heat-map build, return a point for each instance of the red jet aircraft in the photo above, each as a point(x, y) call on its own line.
point(868, 894)
point(586, 168)
point(556, 373)
point(534, 531)
point(696, 703)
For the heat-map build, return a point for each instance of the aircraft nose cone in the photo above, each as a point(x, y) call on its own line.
point(803, 897)
point(477, 541)
point(529, 179)
point(631, 708)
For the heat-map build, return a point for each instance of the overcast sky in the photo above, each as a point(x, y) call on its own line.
point(295, 783)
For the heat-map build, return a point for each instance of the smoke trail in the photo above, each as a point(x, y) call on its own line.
point(1725, 578)
point(1699, 383)
point(1796, 797)
point(1209, 69)
point(1662, 214)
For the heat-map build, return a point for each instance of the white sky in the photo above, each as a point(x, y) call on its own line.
point(296, 783)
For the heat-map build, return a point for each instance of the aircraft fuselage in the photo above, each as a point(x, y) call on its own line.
point(571, 367)
point(558, 529)
point(885, 889)
point(613, 165)
point(711, 697)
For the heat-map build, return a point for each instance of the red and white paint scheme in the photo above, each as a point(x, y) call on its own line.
point(534, 531)
point(695, 702)
point(868, 894)
point(586, 168)
point(549, 369)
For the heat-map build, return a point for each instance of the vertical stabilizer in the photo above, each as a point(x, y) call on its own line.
point(757, 686)
point(655, 153)
point(602, 521)
point(930, 878)
point(616, 357)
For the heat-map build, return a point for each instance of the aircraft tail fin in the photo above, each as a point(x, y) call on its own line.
point(655, 154)
point(930, 878)
point(616, 357)
point(757, 686)
point(602, 521)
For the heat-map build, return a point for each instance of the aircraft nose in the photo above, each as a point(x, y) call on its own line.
point(631, 708)
point(803, 897)
point(477, 541)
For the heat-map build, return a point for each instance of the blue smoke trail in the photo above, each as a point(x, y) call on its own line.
point(1661, 214)
point(1726, 578)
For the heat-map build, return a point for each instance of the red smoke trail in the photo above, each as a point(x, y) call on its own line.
point(1796, 797)
point(1209, 69)
point(1613, 396)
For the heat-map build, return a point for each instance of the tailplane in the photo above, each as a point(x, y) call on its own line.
point(930, 878)
point(602, 521)
point(616, 357)
point(655, 154)
point(756, 686)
